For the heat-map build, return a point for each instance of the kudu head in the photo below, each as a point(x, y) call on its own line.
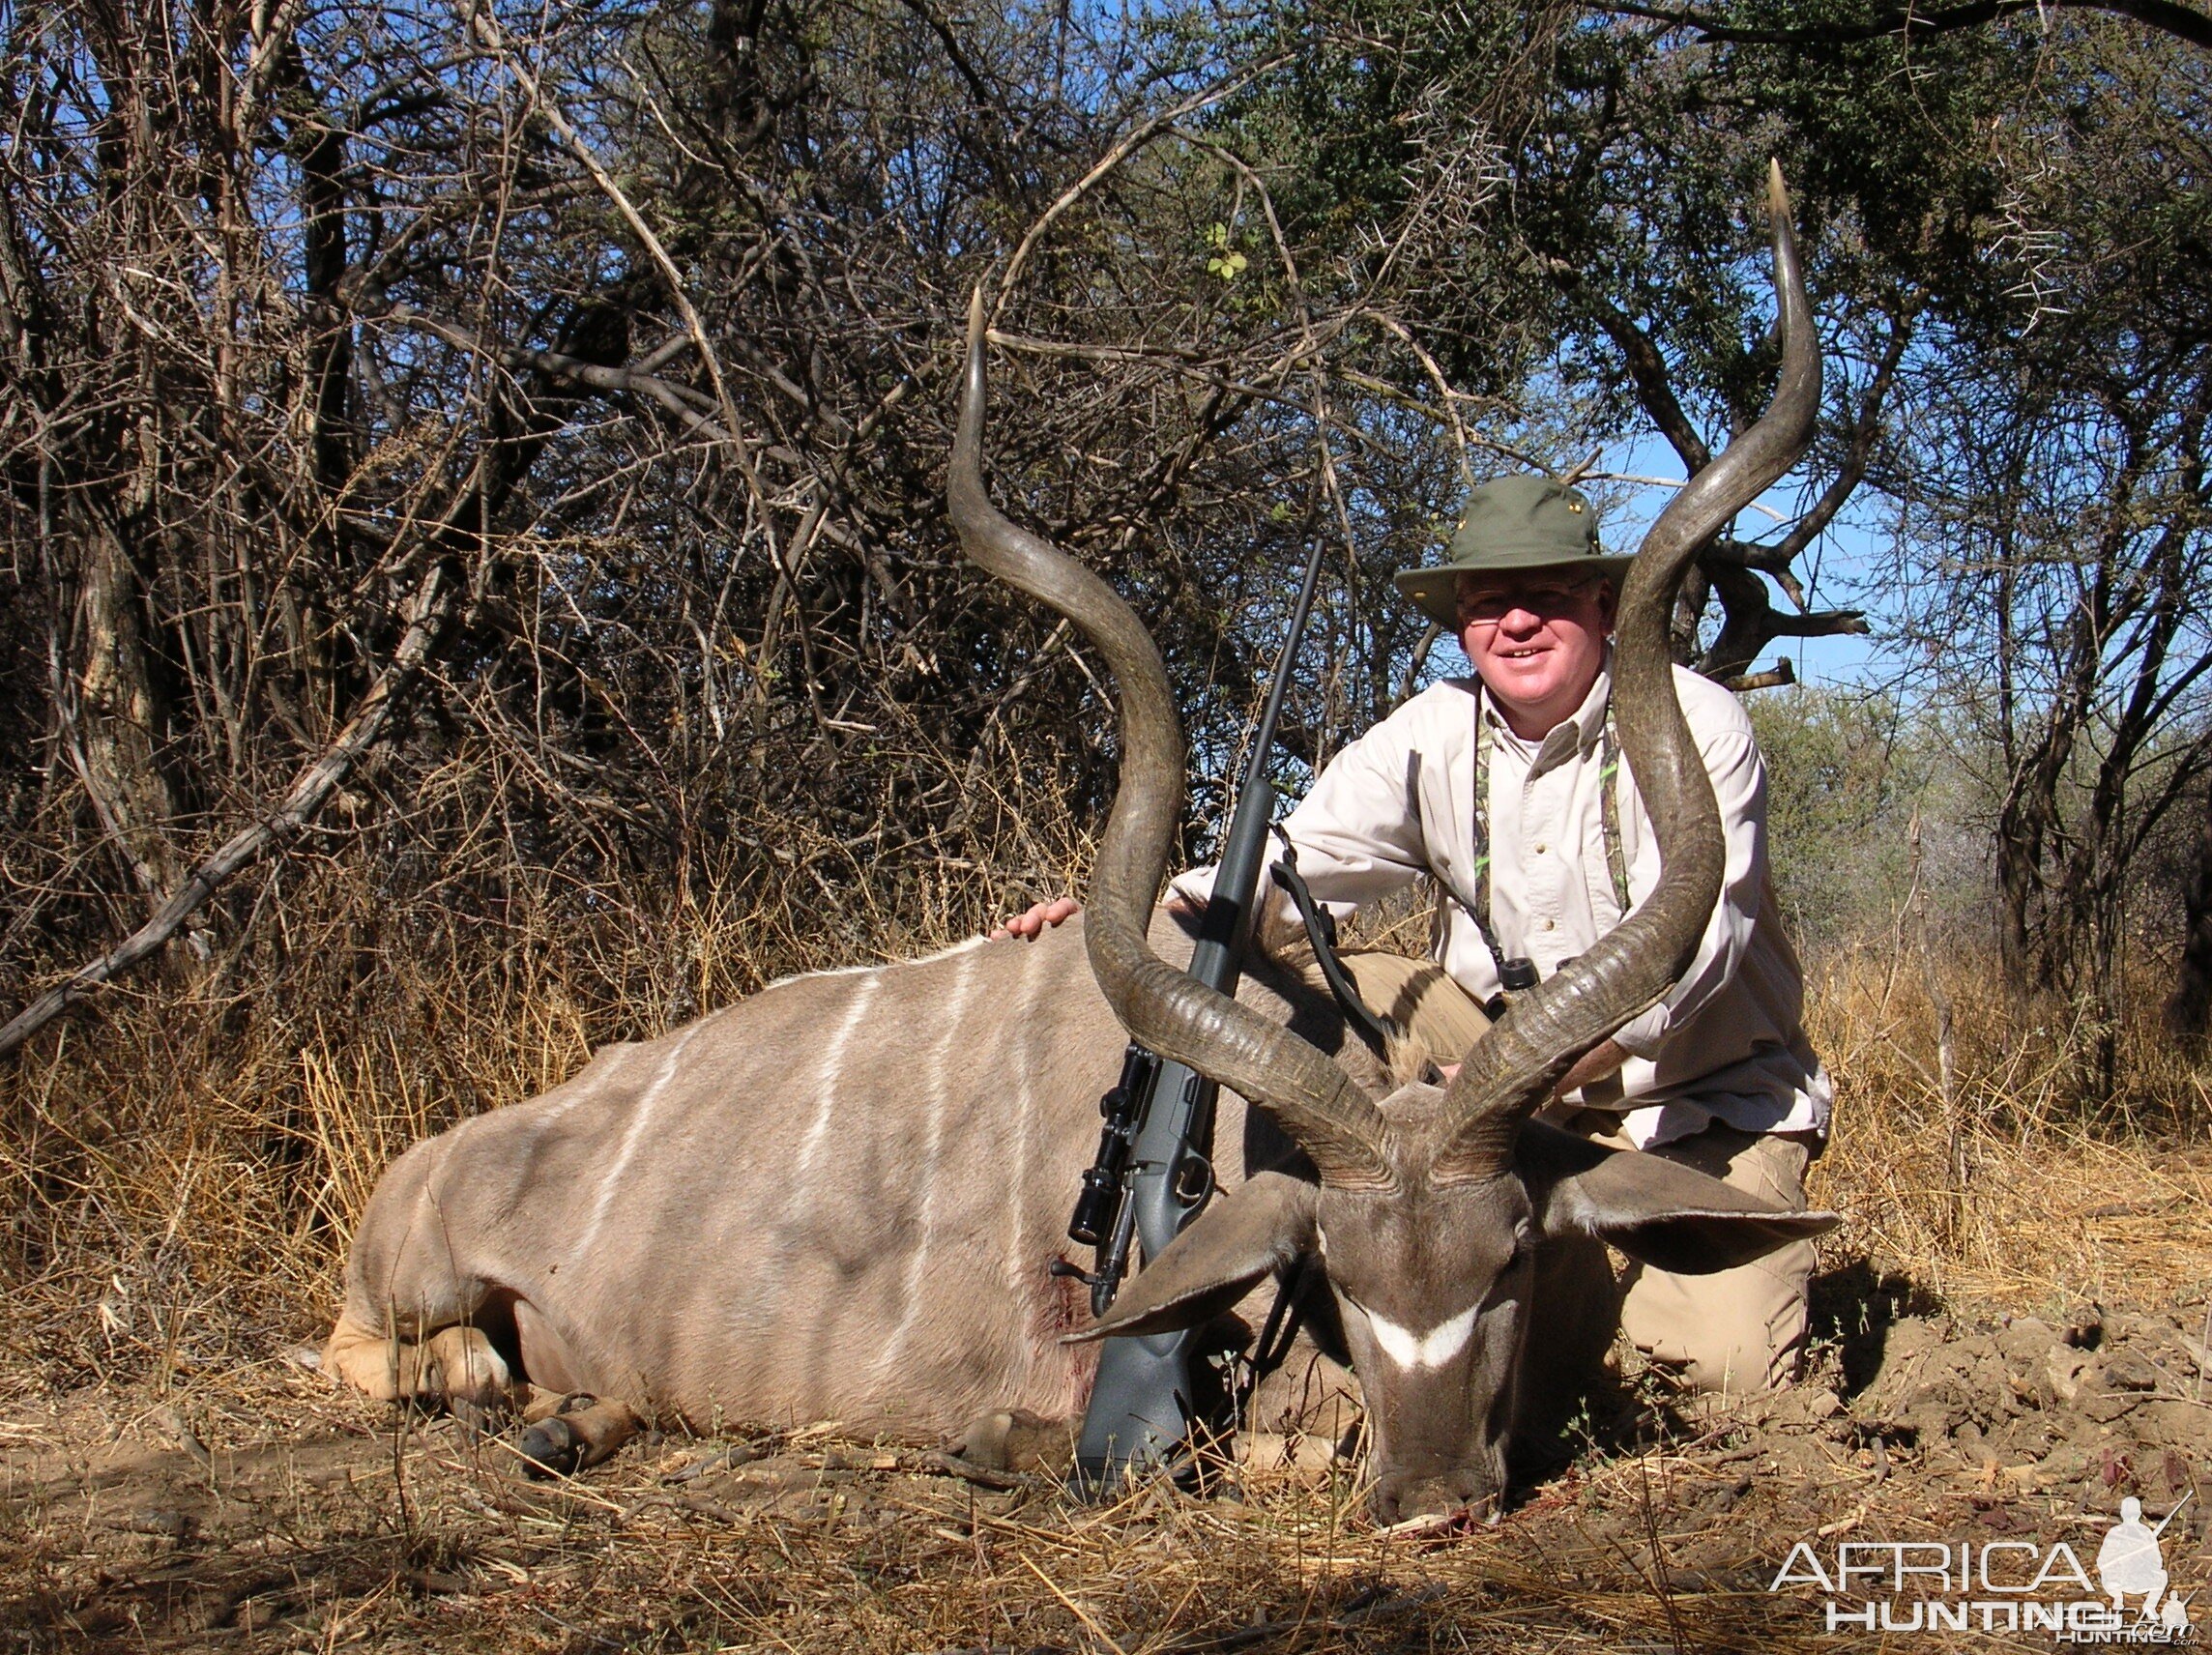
point(1432, 1202)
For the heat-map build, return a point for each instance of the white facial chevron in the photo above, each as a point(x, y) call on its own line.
point(1430, 1349)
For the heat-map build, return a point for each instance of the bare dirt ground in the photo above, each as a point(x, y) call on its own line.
point(255, 1508)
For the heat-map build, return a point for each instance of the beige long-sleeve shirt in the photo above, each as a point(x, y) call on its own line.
point(1727, 1042)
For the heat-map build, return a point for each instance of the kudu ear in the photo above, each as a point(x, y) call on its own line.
point(1657, 1212)
point(1265, 1222)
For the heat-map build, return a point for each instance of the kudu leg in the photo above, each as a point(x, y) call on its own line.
point(1014, 1440)
point(455, 1367)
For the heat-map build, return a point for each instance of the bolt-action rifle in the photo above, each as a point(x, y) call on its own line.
point(1154, 1168)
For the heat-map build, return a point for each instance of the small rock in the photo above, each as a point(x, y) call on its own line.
point(1724, 1497)
point(2024, 1341)
point(2105, 1407)
point(165, 1521)
point(1803, 1404)
point(1907, 1340)
point(2063, 1373)
point(2125, 1371)
point(2185, 1425)
point(2066, 1463)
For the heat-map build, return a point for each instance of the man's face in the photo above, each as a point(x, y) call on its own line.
point(1537, 639)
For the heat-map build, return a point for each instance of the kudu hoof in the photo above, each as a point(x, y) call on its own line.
point(551, 1449)
point(583, 1434)
point(1016, 1441)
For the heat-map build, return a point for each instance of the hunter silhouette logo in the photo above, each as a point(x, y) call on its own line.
point(2131, 1564)
point(2003, 1585)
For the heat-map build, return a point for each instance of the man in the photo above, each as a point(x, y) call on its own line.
point(1507, 790)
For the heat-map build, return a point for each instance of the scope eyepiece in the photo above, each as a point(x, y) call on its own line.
point(1095, 1208)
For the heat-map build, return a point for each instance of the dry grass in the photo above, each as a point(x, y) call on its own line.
point(2063, 1198)
point(349, 1535)
point(182, 1176)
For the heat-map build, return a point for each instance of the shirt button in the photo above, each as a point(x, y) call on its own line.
point(1539, 850)
point(1551, 925)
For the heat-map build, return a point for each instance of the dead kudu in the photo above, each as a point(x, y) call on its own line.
point(842, 1198)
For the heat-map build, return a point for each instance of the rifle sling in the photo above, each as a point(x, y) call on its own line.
point(1321, 934)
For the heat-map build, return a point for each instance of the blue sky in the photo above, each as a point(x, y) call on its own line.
point(1834, 571)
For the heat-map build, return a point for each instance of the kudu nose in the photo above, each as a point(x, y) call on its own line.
point(1412, 1496)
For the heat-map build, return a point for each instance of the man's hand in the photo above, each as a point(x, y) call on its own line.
point(1031, 925)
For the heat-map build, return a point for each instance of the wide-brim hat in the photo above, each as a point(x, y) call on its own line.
point(1513, 524)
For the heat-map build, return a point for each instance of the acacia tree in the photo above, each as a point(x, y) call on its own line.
point(2041, 453)
point(2059, 467)
point(1617, 263)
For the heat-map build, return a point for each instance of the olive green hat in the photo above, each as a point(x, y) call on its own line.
point(1515, 523)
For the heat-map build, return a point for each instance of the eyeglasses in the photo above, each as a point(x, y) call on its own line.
point(1488, 606)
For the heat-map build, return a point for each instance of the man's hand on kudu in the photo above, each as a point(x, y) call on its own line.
point(1031, 924)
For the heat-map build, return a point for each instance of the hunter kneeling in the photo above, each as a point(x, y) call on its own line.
point(1507, 788)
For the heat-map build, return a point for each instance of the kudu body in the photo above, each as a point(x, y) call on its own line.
point(841, 1198)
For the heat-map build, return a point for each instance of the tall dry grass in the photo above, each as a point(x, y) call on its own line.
point(2009, 1176)
point(179, 1170)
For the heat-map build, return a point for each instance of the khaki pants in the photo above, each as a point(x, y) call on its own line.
point(1736, 1331)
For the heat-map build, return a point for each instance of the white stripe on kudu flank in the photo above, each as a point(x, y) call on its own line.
point(827, 1081)
point(1430, 1349)
point(933, 1139)
point(641, 1114)
point(755, 1311)
point(1018, 1266)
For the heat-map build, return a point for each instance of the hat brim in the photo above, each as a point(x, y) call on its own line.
point(1435, 592)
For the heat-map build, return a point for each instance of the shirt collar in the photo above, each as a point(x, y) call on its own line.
point(1587, 722)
